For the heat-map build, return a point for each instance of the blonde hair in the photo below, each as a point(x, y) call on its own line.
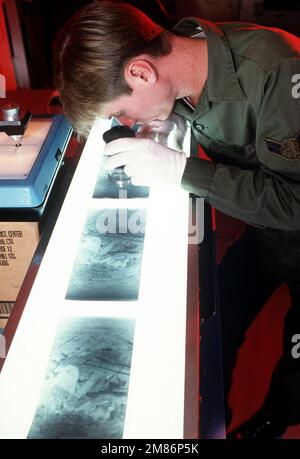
point(91, 51)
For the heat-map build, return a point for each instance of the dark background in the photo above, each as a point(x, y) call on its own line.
point(40, 21)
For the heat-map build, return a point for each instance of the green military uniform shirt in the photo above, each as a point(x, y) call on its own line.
point(248, 122)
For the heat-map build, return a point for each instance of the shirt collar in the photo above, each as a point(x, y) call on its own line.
point(222, 82)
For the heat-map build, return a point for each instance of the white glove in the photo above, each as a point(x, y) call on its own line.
point(146, 162)
point(170, 132)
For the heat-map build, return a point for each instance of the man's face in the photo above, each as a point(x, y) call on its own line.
point(142, 105)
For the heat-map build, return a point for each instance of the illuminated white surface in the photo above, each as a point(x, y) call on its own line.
point(16, 162)
point(155, 405)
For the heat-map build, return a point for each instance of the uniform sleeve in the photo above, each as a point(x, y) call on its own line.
point(268, 196)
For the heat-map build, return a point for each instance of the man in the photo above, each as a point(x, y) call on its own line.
point(238, 85)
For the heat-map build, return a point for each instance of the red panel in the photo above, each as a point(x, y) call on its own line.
point(6, 64)
point(252, 375)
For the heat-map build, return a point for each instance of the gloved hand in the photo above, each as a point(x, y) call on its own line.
point(146, 162)
point(170, 132)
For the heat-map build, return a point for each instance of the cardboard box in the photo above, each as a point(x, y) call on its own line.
point(18, 241)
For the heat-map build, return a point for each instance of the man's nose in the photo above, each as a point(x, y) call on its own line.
point(126, 121)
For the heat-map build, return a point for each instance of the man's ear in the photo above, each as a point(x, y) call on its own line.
point(140, 72)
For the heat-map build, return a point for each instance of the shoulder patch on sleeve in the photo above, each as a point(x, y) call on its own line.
point(288, 148)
